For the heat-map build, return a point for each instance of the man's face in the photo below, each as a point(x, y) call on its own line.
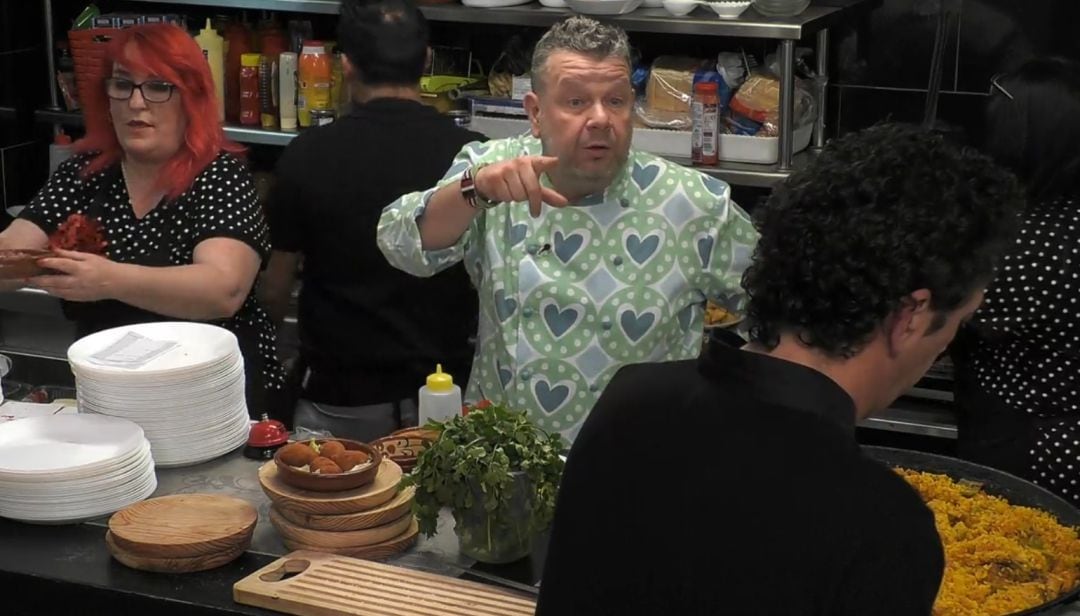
point(583, 115)
point(924, 349)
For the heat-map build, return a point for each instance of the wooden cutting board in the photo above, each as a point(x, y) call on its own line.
point(363, 498)
point(383, 514)
point(171, 565)
point(184, 526)
point(338, 539)
point(316, 584)
point(374, 551)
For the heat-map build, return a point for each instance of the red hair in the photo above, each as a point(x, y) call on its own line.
point(168, 52)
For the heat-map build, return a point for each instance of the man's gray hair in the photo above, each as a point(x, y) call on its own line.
point(581, 35)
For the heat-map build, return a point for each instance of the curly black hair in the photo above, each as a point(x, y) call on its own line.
point(877, 215)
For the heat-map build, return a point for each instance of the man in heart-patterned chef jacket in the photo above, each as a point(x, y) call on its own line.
point(587, 255)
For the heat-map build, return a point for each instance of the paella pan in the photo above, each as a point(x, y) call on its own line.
point(987, 541)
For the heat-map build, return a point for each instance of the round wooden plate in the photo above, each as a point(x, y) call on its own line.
point(184, 526)
point(360, 499)
point(170, 565)
point(383, 514)
point(385, 549)
point(344, 539)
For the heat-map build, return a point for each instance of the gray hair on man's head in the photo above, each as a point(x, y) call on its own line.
point(581, 35)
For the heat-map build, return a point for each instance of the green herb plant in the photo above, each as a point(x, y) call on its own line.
point(474, 457)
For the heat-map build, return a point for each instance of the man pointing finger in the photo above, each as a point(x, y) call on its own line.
point(587, 255)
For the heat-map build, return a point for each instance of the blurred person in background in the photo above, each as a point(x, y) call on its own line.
point(369, 333)
point(1018, 364)
point(184, 233)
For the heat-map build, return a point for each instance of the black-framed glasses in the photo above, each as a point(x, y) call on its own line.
point(152, 90)
point(995, 84)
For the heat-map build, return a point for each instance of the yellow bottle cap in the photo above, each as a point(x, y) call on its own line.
point(440, 381)
point(250, 59)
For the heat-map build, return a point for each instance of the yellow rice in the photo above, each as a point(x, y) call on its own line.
point(999, 558)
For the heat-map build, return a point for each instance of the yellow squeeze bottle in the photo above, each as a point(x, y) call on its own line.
point(440, 399)
point(213, 48)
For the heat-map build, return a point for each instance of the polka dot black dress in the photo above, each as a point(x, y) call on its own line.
point(1025, 356)
point(220, 203)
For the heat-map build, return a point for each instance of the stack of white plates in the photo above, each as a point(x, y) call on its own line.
point(189, 400)
point(68, 468)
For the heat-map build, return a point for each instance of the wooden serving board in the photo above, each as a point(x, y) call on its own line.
point(389, 511)
point(184, 526)
point(375, 551)
point(338, 539)
point(317, 584)
point(171, 565)
point(363, 498)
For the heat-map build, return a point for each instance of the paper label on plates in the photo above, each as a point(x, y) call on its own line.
point(132, 351)
point(11, 410)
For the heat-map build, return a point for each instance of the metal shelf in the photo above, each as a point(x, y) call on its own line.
point(749, 174)
point(914, 417)
point(736, 174)
point(750, 24)
point(326, 7)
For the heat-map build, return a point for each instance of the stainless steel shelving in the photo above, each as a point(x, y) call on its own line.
point(751, 24)
point(738, 174)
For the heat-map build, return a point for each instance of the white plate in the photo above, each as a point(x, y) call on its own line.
point(64, 443)
point(603, 7)
point(200, 345)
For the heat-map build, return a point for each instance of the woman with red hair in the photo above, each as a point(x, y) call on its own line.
point(184, 233)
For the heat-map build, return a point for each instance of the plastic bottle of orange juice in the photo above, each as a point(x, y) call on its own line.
point(314, 77)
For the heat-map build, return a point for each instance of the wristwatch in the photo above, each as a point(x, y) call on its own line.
point(469, 192)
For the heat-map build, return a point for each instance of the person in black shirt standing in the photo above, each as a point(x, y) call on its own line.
point(369, 334)
point(734, 484)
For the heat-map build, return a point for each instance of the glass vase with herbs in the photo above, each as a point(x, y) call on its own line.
point(499, 475)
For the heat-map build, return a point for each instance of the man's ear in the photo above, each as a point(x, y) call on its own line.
point(532, 107)
point(910, 322)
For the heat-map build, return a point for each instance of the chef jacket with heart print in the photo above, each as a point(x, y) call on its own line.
point(569, 297)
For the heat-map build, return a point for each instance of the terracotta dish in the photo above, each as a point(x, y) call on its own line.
point(304, 479)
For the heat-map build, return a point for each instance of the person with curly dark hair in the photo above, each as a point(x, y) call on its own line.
point(868, 261)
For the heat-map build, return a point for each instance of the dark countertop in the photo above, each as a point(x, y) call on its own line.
point(48, 570)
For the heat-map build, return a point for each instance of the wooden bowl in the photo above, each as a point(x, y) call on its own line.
point(16, 264)
point(317, 482)
point(405, 446)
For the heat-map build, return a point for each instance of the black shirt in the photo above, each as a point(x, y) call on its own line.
point(373, 329)
point(733, 485)
point(221, 202)
point(1025, 353)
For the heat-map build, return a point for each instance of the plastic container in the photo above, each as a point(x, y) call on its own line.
point(249, 89)
point(287, 90)
point(314, 75)
point(705, 113)
point(59, 151)
point(213, 47)
point(440, 399)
